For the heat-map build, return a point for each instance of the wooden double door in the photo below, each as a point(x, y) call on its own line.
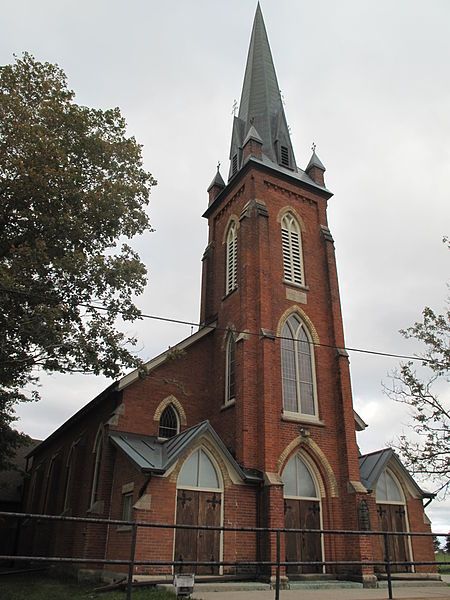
point(392, 517)
point(302, 514)
point(198, 508)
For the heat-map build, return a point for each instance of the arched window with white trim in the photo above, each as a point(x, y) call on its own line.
point(230, 370)
point(292, 250)
point(169, 422)
point(388, 490)
point(231, 258)
point(198, 471)
point(297, 369)
point(298, 481)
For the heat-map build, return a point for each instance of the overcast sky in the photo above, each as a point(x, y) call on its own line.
point(366, 80)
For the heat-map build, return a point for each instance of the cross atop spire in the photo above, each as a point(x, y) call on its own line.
point(261, 104)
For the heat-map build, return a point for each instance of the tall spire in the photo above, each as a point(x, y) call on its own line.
point(261, 105)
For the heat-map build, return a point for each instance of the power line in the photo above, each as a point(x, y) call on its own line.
point(226, 329)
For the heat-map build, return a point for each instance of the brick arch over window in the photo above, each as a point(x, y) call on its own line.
point(177, 405)
point(315, 459)
point(303, 316)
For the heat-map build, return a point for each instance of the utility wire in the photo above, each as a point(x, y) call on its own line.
point(226, 329)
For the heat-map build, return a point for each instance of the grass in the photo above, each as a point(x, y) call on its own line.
point(441, 557)
point(39, 587)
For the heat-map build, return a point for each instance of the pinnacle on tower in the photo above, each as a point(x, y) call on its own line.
point(261, 106)
point(315, 168)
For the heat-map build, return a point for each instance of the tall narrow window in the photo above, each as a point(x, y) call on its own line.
point(297, 369)
point(231, 262)
point(168, 422)
point(51, 494)
point(292, 250)
point(230, 372)
point(69, 478)
point(98, 451)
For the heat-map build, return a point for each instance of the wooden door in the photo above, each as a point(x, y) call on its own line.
point(392, 517)
point(303, 514)
point(198, 508)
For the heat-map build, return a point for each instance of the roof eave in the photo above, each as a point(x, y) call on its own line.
point(254, 162)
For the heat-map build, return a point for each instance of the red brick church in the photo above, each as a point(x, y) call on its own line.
point(249, 421)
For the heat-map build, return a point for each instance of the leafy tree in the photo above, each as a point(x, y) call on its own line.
point(72, 190)
point(447, 544)
point(427, 455)
point(436, 543)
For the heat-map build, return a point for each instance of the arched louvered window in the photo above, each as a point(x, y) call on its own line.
point(297, 368)
point(169, 423)
point(230, 372)
point(292, 250)
point(231, 259)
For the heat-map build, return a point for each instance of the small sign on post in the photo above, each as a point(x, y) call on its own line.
point(184, 584)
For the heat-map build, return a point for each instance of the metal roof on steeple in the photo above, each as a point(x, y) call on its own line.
point(261, 105)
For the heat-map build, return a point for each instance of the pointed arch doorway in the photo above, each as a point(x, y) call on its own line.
point(302, 510)
point(392, 517)
point(199, 502)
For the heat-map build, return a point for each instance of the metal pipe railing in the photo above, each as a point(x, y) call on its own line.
point(131, 562)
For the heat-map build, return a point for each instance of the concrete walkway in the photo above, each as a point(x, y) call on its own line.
point(405, 593)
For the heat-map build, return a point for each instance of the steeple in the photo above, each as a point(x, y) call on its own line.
point(261, 106)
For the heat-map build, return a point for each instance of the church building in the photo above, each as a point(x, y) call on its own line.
point(249, 422)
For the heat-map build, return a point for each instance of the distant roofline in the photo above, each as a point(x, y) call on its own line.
point(121, 384)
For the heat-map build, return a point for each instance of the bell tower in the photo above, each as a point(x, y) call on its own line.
point(281, 382)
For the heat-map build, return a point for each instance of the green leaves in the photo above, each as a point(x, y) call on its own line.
point(72, 187)
point(428, 453)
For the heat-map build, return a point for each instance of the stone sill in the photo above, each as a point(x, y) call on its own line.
point(294, 418)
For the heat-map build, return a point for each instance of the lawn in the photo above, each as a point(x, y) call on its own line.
point(38, 587)
point(441, 557)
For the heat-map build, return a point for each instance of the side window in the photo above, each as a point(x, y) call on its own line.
point(292, 250)
point(297, 369)
point(230, 371)
point(169, 422)
point(231, 259)
point(98, 452)
point(69, 479)
point(53, 482)
point(127, 506)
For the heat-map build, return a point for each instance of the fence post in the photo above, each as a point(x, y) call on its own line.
point(277, 576)
point(131, 563)
point(388, 564)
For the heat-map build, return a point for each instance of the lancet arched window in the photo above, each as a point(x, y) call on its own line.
point(298, 481)
point(388, 489)
point(292, 250)
point(169, 422)
point(297, 368)
point(198, 471)
point(230, 370)
point(231, 258)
